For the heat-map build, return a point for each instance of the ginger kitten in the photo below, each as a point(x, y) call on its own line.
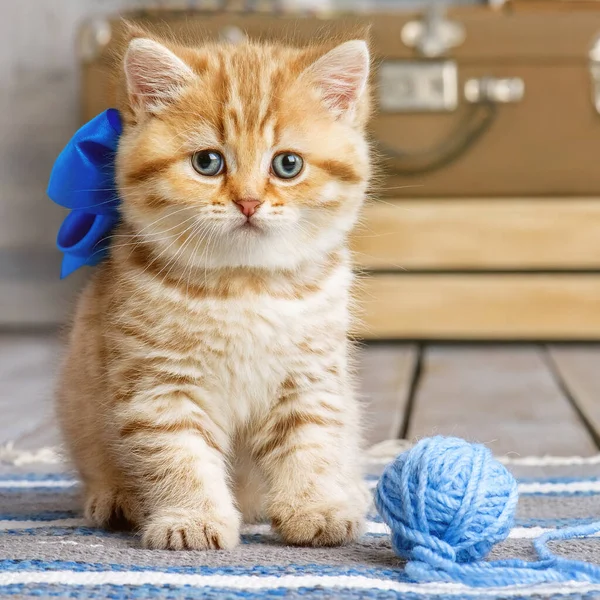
point(207, 374)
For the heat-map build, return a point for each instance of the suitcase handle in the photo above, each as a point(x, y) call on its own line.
point(469, 130)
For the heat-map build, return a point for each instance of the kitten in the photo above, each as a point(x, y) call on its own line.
point(207, 375)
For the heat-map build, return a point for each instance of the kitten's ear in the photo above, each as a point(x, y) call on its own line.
point(155, 76)
point(341, 76)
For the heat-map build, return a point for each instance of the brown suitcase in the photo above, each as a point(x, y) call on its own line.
point(493, 256)
point(492, 103)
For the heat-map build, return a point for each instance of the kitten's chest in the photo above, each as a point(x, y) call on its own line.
point(246, 349)
point(243, 348)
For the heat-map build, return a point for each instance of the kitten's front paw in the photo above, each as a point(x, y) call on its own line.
point(108, 508)
point(319, 525)
point(178, 529)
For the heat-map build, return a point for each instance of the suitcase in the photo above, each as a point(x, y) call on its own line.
point(473, 103)
point(488, 130)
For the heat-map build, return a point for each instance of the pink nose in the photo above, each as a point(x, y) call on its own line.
point(247, 206)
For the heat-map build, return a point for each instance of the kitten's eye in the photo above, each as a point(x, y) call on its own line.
point(208, 162)
point(287, 165)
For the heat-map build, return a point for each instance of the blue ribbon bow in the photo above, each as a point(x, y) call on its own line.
point(83, 180)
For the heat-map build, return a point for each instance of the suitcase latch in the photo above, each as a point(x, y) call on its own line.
point(492, 89)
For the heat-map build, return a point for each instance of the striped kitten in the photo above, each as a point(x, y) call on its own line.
point(207, 375)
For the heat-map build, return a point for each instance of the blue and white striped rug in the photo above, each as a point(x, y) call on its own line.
point(47, 550)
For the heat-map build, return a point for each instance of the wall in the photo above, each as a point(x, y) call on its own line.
point(38, 114)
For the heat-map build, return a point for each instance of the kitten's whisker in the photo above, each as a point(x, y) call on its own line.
point(191, 261)
point(393, 204)
point(207, 240)
point(88, 206)
point(387, 263)
point(114, 188)
point(157, 257)
point(163, 217)
point(148, 235)
point(139, 242)
point(171, 262)
point(375, 235)
point(138, 239)
point(180, 252)
point(165, 250)
point(212, 234)
point(399, 187)
point(167, 216)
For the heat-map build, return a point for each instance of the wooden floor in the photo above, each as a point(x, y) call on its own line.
point(522, 399)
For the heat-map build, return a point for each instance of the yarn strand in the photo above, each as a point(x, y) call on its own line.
point(447, 502)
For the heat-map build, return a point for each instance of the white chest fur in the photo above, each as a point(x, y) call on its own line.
point(241, 349)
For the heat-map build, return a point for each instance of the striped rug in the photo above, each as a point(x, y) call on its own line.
point(48, 551)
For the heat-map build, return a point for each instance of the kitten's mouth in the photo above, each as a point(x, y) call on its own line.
point(250, 227)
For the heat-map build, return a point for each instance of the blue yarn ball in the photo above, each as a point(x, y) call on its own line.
point(446, 499)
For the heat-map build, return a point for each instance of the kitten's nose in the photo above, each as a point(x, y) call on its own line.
point(248, 206)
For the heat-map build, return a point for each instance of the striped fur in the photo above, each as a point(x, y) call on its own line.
point(208, 370)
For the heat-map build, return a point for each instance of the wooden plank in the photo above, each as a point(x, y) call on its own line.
point(505, 234)
point(485, 306)
point(505, 397)
point(579, 368)
point(385, 373)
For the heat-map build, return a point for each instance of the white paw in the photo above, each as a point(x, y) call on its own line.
point(178, 529)
point(108, 508)
point(326, 524)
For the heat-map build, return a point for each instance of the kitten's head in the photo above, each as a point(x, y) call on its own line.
point(243, 155)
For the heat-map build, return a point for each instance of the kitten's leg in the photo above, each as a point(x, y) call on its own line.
point(105, 501)
point(172, 451)
point(309, 450)
point(106, 504)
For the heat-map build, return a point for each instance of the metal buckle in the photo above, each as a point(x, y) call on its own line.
point(418, 86)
